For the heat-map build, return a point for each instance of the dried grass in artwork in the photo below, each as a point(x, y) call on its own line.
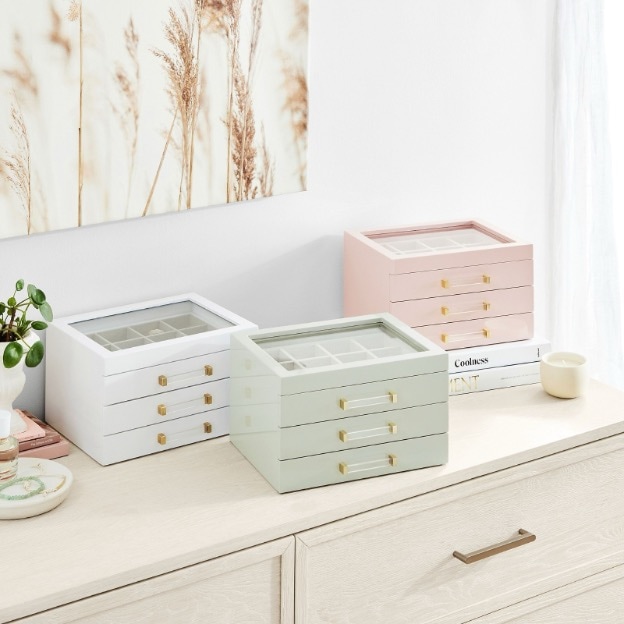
point(127, 108)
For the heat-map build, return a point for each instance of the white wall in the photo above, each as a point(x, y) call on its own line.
point(421, 110)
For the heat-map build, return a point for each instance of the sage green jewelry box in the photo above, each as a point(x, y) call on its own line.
point(336, 401)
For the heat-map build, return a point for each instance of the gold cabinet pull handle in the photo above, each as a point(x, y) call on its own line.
point(164, 409)
point(484, 279)
point(448, 338)
point(164, 381)
point(161, 438)
point(348, 436)
point(523, 537)
point(389, 460)
point(389, 397)
point(485, 307)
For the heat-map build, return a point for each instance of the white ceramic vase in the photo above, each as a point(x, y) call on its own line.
point(12, 382)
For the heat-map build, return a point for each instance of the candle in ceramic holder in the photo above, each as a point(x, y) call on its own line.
point(564, 374)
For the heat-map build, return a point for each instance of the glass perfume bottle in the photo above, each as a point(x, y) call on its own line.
point(9, 448)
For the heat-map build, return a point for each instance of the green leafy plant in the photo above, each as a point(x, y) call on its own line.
point(15, 326)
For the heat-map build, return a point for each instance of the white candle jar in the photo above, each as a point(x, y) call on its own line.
point(564, 375)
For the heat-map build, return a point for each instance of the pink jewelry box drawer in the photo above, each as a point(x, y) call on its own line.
point(480, 332)
point(459, 280)
point(464, 307)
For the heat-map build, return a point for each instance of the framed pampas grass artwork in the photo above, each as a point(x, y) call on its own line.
point(117, 109)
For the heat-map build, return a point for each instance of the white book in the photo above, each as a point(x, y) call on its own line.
point(493, 378)
point(503, 354)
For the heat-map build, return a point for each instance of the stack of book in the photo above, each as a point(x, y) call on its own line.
point(39, 439)
point(496, 366)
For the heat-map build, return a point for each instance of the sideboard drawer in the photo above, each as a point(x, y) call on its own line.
point(598, 599)
point(452, 308)
point(252, 586)
point(398, 566)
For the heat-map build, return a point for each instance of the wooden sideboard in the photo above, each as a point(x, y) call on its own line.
point(196, 534)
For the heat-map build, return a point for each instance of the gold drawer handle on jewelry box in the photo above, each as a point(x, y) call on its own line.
point(484, 279)
point(390, 460)
point(485, 306)
point(348, 436)
point(389, 397)
point(163, 380)
point(446, 338)
point(161, 438)
point(164, 410)
point(523, 537)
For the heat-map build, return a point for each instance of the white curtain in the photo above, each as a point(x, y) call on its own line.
point(584, 300)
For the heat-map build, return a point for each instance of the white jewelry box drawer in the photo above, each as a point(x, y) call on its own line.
point(165, 377)
point(424, 275)
point(405, 563)
point(117, 369)
point(162, 436)
point(326, 373)
point(160, 408)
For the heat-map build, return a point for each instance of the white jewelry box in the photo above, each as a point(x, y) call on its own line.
point(142, 378)
point(335, 401)
point(461, 284)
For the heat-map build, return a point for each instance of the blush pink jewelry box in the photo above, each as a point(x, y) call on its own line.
point(461, 284)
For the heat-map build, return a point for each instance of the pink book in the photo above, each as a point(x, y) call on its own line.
point(51, 451)
point(33, 430)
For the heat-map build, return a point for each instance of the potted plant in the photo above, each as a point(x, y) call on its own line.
point(19, 344)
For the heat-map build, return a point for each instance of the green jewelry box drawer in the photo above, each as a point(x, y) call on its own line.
point(338, 434)
point(342, 466)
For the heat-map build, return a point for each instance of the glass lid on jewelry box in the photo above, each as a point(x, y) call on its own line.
point(436, 239)
point(158, 323)
point(374, 341)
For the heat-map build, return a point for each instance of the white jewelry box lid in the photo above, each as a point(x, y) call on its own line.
point(149, 332)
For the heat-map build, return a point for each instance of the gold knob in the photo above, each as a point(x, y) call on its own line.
point(162, 380)
point(162, 410)
point(161, 438)
point(207, 427)
point(208, 370)
point(208, 399)
point(392, 460)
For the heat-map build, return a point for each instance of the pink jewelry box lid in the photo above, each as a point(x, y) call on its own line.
point(442, 245)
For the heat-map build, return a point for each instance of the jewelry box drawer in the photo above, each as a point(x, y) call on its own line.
point(341, 434)
point(163, 407)
point(165, 377)
point(457, 280)
point(369, 461)
point(367, 398)
point(403, 563)
point(480, 332)
point(452, 308)
point(163, 436)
